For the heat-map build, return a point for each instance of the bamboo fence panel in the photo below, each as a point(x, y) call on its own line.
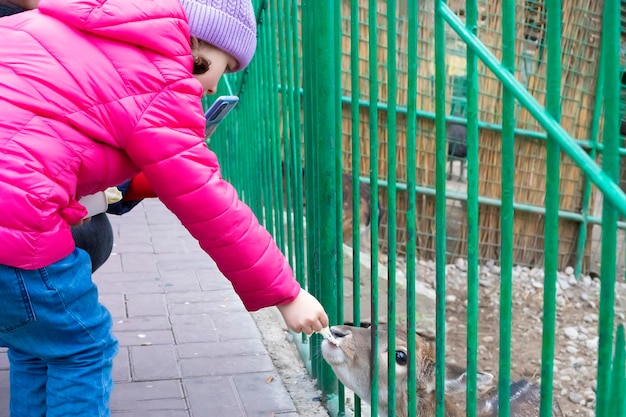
point(582, 22)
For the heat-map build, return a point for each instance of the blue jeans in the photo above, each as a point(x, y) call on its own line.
point(59, 337)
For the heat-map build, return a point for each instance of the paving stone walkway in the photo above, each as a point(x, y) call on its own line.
point(188, 347)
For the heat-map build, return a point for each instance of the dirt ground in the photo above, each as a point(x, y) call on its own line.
point(576, 329)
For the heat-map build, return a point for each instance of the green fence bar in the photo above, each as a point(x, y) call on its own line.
point(287, 138)
point(593, 134)
point(355, 147)
point(440, 207)
point(610, 166)
point(322, 142)
point(311, 183)
point(391, 203)
point(472, 216)
point(411, 212)
point(530, 134)
point(356, 162)
point(338, 155)
point(373, 129)
point(455, 195)
point(264, 146)
point(507, 210)
point(338, 186)
point(296, 122)
point(551, 230)
point(275, 142)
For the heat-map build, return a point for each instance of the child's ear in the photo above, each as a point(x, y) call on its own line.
point(456, 379)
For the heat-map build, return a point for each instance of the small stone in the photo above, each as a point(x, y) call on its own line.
point(592, 344)
point(450, 298)
point(571, 333)
point(575, 397)
point(569, 271)
point(461, 264)
point(590, 318)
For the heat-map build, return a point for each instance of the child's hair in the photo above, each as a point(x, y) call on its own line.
point(229, 25)
point(200, 64)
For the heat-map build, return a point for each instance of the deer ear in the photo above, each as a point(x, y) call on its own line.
point(456, 379)
point(483, 378)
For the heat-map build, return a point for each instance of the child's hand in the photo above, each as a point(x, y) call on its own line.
point(304, 314)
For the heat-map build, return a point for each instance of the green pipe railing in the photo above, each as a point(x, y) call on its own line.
point(321, 141)
point(610, 167)
point(507, 210)
point(392, 232)
point(593, 134)
point(279, 159)
point(373, 115)
point(440, 207)
point(471, 397)
point(488, 201)
point(411, 212)
point(338, 186)
point(356, 162)
point(519, 132)
point(296, 155)
point(551, 231)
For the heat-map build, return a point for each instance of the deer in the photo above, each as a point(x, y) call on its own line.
point(348, 352)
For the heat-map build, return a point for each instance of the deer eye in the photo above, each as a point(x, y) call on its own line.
point(401, 358)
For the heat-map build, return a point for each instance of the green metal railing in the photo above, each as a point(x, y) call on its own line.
point(285, 151)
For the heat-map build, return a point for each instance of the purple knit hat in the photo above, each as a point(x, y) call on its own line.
point(229, 25)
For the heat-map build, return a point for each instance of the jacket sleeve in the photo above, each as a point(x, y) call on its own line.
point(168, 146)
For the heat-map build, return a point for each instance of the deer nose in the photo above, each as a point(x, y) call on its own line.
point(339, 332)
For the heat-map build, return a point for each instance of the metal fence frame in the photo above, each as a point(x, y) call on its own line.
point(264, 146)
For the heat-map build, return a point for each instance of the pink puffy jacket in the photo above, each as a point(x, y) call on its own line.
point(94, 91)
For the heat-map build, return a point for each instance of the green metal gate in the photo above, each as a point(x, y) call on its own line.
point(321, 98)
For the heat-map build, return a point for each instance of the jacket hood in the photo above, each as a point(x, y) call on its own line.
point(158, 25)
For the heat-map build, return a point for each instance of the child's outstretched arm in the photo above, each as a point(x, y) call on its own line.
point(167, 145)
point(304, 314)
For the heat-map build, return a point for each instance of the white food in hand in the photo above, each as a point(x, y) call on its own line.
point(325, 332)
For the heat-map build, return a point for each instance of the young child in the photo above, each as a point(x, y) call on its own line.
point(91, 93)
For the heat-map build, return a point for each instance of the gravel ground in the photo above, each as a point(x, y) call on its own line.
point(576, 338)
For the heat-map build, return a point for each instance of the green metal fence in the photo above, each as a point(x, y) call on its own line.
point(368, 88)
